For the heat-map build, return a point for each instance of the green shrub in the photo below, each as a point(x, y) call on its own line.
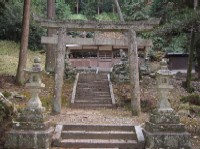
point(77, 17)
point(63, 10)
point(6, 94)
point(195, 110)
point(193, 99)
point(107, 17)
point(148, 105)
point(2, 112)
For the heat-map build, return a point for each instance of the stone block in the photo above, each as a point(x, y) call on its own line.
point(31, 125)
point(167, 140)
point(165, 131)
point(32, 116)
point(151, 127)
point(164, 118)
point(29, 139)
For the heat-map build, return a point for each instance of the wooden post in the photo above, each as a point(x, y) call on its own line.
point(134, 73)
point(59, 71)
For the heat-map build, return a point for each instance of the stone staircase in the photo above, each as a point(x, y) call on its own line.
point(92, 91)
point(98, 136)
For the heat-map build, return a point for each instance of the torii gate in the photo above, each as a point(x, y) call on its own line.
point(131, 28)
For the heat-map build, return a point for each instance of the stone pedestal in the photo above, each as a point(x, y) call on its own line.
point(164, 130)
point(32, 128)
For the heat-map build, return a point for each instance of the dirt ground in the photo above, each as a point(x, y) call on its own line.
point(120, 115)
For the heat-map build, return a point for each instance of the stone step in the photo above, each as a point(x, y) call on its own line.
point(97, 127)
point(93, 83)
point(92, 86)
point(91, 99)
point(95, 99)
point(99, 143)
point(93, 91)
point(98, 136)
point(92, 106)
point(93, 94)
point(93, 102)
point(101, 92)
point(101, 98)
point(82, 134)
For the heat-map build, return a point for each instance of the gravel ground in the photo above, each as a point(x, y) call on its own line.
point(99, 116)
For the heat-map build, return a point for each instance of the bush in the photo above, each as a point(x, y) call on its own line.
point(195, 110)
point(63, 10)
point(2, 112)
point(193, 99)
point(107, 17)
point(148, 105)
point(11, 26)
point(77, 17)
point(6, 94)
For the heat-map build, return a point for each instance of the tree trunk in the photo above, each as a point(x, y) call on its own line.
point(113, 7)
point(77, 7)
point(196, 4)
point(24, 43)
point(191, 53)
point(50, 52)
point(98, 7)
point(198, 59)
point(119, 11)
point(190, 62)
point(59, 71)
point(134, 73)
point(102, 5)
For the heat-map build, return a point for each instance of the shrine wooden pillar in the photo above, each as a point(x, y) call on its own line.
point(59, 70)
point(134, 72)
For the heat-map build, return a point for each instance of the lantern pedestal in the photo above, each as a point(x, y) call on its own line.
point(164, 129)
point(32, 128)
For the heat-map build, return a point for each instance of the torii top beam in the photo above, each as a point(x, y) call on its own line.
point(79, 25)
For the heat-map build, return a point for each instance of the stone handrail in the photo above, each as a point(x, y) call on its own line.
point(111, 90)
point(74, 89)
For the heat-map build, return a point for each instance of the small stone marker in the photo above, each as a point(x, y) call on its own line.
point(164, 129)
point(32, 128)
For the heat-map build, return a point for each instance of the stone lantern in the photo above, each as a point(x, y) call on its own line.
point(35, 85)
point(163, 77)
point(32, 128)
point(164, 130)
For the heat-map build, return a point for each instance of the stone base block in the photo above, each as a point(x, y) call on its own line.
point(29, 139)
point(31, 125)
point(164, 127)
point(164, 118)
point(32, 115)
point(167, 140)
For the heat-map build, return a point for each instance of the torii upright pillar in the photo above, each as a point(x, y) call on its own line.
point(134, 74)
point(59, 71)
